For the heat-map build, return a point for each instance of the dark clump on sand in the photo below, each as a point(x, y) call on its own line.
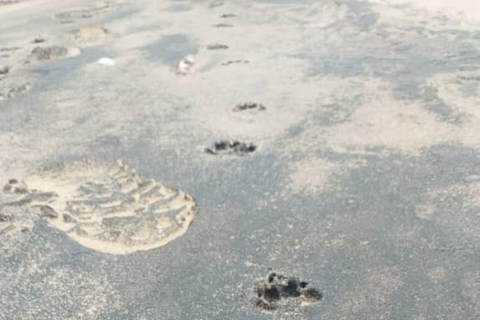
point(249, 106)
point(231, 147)
point(4, 70)
point(277, 287)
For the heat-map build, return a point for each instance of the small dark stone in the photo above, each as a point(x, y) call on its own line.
point(303, 284)
point(39, 40)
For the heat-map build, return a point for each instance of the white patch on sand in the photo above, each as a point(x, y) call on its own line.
point(312, 176)
point(468, 10)
point(106, 61)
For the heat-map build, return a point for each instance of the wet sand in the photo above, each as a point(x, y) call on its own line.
point(344, 151)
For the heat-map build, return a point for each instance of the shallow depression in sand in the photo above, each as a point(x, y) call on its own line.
point(106, 206)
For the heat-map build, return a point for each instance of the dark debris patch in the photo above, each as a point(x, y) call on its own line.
point(231, 148)
point(249, 106)
point(270, 293)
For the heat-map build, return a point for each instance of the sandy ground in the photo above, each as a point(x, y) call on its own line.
point(343, 145)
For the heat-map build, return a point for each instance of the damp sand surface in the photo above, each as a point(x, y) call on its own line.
point(334, 143)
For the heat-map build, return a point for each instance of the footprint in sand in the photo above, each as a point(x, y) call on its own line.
point(217, 46)
point(106, 207)
point(91, 35)
point(249, 106)
point(229, 62)
point(53, 52)
point(278, 290)
point(224, 147)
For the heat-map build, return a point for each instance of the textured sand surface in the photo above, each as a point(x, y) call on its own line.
point(344, 140)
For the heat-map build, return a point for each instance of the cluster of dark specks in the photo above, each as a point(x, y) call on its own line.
point(249, 106)
point(277, 287)
point(231, 147)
